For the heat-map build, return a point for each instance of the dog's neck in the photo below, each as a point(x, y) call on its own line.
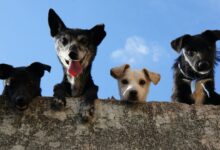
point(79, 82)
point(193, 81)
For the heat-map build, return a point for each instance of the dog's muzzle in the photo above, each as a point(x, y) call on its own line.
point(203, 66)
point(133, 95)
point(20, 103)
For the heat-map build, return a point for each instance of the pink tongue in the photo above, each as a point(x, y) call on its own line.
point(75, 68)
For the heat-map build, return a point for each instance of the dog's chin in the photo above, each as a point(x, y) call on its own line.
point(133, 98)
point(206, 72)
point(21, 108)
point(201, 73)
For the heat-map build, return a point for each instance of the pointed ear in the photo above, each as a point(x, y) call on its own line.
point(154, 77)
point(55, 23)
point(6, 71)
point(39, 68)
point(98, 33)
point(212, 35)
point(119, 72)
point(180, 42)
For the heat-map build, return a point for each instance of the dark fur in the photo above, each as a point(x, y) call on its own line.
point(203, 45)
point(22, 84)
point(82, 45)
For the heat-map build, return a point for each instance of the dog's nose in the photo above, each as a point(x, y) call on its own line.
point(20, 101)
point(133, 93)
point(203, 66)
point(73, 55)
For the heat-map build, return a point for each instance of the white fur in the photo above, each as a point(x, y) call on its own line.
point(6, 82)
point(71, 80)
point(205, 89)
point(63, 54)
point(126, 90)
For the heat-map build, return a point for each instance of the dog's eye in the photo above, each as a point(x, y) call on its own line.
point(190, 53)
point(124, 81)
point(64, 41)
point(83, 41)
point(142, 82)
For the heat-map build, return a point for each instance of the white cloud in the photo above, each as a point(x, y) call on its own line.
point(136, 50)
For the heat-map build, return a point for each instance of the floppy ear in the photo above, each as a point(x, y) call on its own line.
point(180, 42)
point(212, 35)
point(39, 68)
point(6, 71)
point(154, 77)
point(55, 23)
point(98, 33)
point(119, 72)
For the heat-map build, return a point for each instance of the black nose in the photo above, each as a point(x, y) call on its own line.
point(203, 66)
point(20, 101)
point(133, 93)
point(73, 55)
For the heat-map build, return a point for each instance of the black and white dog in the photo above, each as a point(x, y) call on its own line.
point(76, 50)
point(22, 84)
point(196, 63)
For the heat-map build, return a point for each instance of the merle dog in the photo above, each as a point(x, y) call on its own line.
point(196, 63)
point(22, 84)
point(76, 50)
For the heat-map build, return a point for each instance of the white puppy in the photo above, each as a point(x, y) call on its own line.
point(134, 84)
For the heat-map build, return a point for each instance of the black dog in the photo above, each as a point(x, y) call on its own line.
point(22, 84)
point(76, 50)
point(196, 63)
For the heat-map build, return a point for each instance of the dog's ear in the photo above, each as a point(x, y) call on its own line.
point(180, 42)
point(98, 33)
point(212, 35)
point(6, 71)
point(119, 72)
point(154, 77)
point(39, 68)
point(55, 23)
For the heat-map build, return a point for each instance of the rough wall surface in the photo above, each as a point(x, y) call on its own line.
point(115, 126)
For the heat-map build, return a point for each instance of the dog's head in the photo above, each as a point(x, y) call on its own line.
point(198, 52)
point(134, 84)
point(22, 84)
point(76, 48)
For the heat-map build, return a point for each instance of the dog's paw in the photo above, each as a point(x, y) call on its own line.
point(58, 103)
point(86, 112)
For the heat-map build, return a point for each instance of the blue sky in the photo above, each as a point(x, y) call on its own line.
point(138, 32)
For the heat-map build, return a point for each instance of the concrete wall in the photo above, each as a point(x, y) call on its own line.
point(115, 126)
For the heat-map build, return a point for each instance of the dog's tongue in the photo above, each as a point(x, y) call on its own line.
point(75, 68)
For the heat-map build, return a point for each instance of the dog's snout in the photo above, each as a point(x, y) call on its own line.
point(133, 93)
point(73, 55)
point(203, 66)
point(73, 48)
point(20, 101)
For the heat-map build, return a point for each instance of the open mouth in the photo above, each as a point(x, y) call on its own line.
point(74, 67)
